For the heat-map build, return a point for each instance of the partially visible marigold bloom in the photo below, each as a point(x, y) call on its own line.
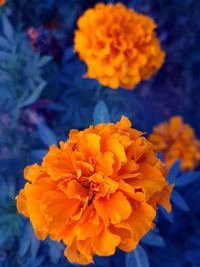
point(176, 140)
point(118, 45)
point(2, 2)
point(97, 191)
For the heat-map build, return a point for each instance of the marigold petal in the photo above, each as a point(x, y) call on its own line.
point(34, 172)
point(34, 194)
point(88, 230)
point(91, 144)
point(129, 167)
point(104, 163)
point(124, 123)
point(140, 221)
point(105, 244)
point(152, 180)
point(68, 234)
point(114, 145)
point(59, 210)
point(162, 198)
point(74, 256)
point(85, 248)
point(128, 245)
point(114, 209)
point(57, 164)
point(37, 218)
point(136, 193)
point(85, 167)
point(76, 190)
point(21, 203)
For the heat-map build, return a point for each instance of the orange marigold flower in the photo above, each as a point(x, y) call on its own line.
point(176, 140)
point(97, 191)
point(118, 45)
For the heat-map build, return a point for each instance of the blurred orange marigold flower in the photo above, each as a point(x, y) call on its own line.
point(97, 191)
point(118, 45)
point(2, 2)
point(176, 140)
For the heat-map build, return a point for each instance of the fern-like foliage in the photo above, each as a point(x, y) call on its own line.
point(20, 69)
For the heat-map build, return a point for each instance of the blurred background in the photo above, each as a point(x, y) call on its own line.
point(43, 95)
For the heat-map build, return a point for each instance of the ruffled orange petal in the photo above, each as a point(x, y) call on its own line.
point(59, 210)
point(34, 203)
point(68, 234)
point(124, 123)
point(74, 256)
point(140, 221)
point(104, 163)
point(136, 193)
point(114, 145)
point(57, 164)
point(152, 180)
point(34, 172)
point(76, 190)
point(128, 245)
point(90, 144)
point(162, 198)
point(105, 244)
point(21, 203)
point(114, 209)
point(88, 230)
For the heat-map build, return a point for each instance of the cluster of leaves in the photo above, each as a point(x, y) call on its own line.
point(41, 99)
point(20, 69)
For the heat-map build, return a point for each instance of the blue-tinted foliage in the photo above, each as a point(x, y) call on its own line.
point(174, 171)
point(153, 238)
point(101, 113)
point(20, 69)
point(186, 178)
point(137, 258)
point(46, 135)
point(179, 201)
